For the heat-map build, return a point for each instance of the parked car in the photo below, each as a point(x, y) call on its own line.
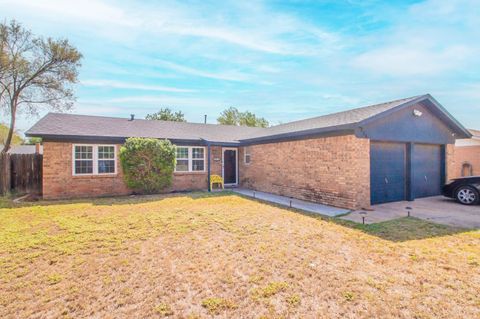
point(465, 190)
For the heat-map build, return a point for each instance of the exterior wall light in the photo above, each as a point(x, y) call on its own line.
point(417, 113)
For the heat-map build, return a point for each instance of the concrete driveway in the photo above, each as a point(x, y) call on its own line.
point(437, 209)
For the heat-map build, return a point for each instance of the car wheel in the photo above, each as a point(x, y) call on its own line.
point(467, 195)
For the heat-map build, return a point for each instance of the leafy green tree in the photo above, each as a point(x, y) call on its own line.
point(148, 164)
point(249, 119)
point(166, 114)
point(33, 140)
point(232, 116)
point(16, 139)
point(34, 72)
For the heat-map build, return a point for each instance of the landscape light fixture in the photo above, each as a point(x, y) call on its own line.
point(408, 210)
point(363, 216)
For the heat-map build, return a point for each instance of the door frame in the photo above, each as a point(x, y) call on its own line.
point(236, 164)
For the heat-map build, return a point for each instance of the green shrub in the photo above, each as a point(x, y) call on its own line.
point(148, 164)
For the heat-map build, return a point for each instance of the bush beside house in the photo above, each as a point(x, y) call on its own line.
point(148, 164)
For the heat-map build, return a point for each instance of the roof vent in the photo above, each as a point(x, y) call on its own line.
point(132, 117)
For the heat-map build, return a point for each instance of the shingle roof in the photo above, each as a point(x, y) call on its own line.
point(70, 125)
point(333, 120)
point(60, 124)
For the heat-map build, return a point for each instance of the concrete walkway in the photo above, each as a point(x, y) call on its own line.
point(437, 209)
point(294, 203)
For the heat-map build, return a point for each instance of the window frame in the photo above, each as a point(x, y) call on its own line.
point(191, 159)
point(183, 159)
point(95, 160)
point(246, 152)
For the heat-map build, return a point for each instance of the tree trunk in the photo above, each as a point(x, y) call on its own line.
point(11, 130)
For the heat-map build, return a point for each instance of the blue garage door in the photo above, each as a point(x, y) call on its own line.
point(387, 172)
point(427, 168)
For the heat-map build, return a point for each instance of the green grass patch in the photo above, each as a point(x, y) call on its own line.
point(216, 305)
point(269, 290)
point(54, 279)
point(163, 310)
point(403, 229)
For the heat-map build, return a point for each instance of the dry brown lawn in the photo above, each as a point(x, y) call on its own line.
point(201, 256)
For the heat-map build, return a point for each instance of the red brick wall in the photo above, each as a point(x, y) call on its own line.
point(462, 154)
point(59, 182)
point(333, 170)
point(198, 180)
point(450, 165)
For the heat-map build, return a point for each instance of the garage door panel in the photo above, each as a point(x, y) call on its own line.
point(427, 167)
point(388, 172)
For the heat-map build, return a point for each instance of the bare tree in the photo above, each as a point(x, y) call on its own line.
point(34, 73)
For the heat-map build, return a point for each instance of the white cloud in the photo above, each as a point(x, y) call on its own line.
point(432, 37)
point(226, 75)
point(251, 26)
point(91, 108)
point(133, 86)
point(146, 101)
point(93, 11)
point(407, 60)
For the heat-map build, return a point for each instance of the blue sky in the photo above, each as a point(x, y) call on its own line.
point(283, 60)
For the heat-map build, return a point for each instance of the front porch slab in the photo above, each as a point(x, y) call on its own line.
point(292, 202)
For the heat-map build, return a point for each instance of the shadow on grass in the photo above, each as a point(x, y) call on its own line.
point(404, 229)
point(396, 230)
point(7, 202)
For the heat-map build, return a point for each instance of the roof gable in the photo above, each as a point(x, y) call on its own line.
point(354, 119)
point(433, 106)
point(414, 123)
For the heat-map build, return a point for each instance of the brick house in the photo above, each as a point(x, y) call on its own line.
point(399, 150)
point(467, 156)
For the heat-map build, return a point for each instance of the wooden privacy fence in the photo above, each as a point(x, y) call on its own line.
point(21, 173)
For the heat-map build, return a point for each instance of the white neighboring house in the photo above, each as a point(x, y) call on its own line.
point(474, 141)
point(25, 149)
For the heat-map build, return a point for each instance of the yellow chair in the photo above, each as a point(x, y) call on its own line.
point(216, 179)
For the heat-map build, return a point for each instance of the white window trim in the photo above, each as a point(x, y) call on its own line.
point(183, 159)
point(191, 159)
point(245, 153)
point(95, 160)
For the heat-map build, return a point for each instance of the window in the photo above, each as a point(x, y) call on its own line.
point(106, 159)
point(198, 159)
point(83, 159)
point(182, 159)
point(247, 156)
point(190, 159)
point(94, 159)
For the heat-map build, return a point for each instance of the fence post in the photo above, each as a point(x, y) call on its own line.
point(5, 173)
